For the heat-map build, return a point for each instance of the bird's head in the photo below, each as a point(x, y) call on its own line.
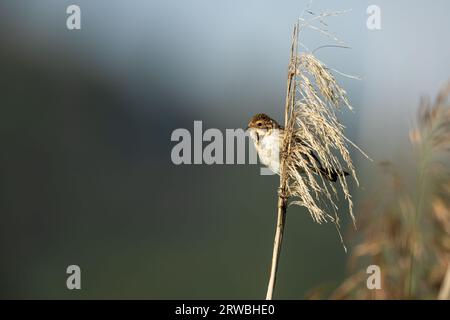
point(262, 121)
point(260, 124)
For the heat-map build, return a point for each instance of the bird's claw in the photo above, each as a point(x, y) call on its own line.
point(284, 154)
point(281, 193)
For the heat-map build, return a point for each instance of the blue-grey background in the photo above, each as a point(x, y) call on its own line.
point(86, 118)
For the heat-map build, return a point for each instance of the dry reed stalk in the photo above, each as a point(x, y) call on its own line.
point(282, 199)
point(407, 232)
point(444, 293)
point(311, 127)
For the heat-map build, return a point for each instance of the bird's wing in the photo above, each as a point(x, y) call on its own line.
point(310, 154)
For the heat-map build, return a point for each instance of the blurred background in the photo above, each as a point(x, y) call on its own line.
point(86, 118)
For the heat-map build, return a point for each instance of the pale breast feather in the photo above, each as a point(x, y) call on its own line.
point(269, 151)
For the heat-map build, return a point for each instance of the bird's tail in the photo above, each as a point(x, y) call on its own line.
point(332, 174)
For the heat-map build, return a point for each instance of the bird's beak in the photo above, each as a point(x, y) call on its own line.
point(247, 128)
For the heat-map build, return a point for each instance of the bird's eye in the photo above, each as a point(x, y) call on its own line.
point(259, 124)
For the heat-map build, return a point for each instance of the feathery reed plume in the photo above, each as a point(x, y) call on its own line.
point(313, 136)
point(407, 232)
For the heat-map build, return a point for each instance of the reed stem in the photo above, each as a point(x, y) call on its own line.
point(285, 148)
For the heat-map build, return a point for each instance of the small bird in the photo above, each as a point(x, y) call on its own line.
point(267, 135)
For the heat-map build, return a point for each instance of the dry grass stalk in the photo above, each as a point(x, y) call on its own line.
point(407, 232)
point(444, 293)
point(311, 126)
point(282, 199)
